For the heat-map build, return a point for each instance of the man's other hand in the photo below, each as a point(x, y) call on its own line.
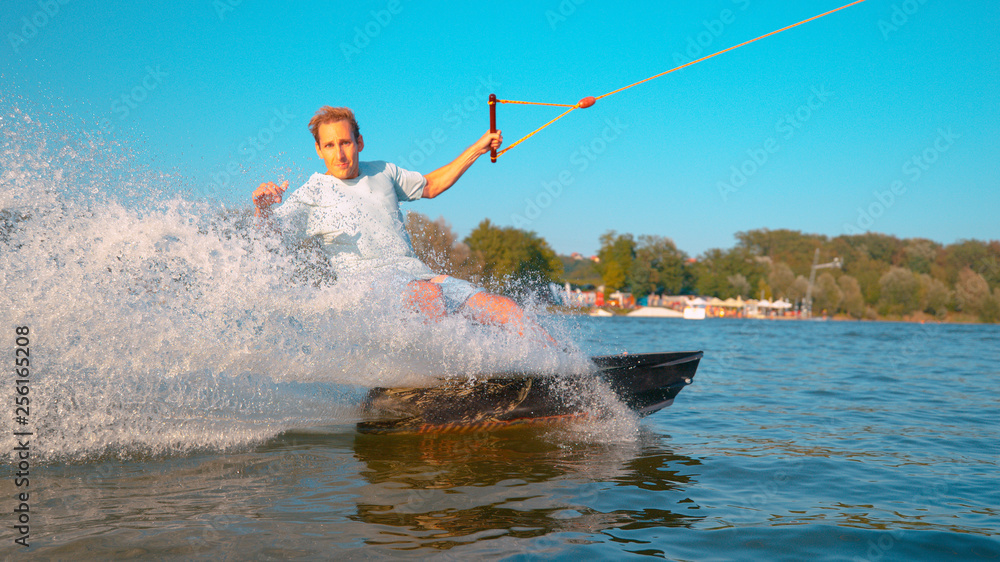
point(269, 193)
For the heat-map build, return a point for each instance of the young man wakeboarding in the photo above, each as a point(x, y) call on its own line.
point(353, 210)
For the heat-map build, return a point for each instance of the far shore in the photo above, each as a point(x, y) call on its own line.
point(917, 318)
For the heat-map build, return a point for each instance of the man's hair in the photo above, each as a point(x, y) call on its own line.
point(327, 114)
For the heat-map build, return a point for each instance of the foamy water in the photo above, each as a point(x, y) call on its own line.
point(163, 324)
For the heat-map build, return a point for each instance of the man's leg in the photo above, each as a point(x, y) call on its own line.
point(502, 311)
point(442, 294)
point(427, 298)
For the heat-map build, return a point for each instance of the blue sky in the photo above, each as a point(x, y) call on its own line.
point(881, 117)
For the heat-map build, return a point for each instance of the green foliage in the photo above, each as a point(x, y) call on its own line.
point(613, 277)
point(972, 293)
point(798, 289)
point(921, 254)
point(716, 270)
point(980, 257)
point(781, 278)
point(990, 312)
point(617, 254)
point(513, 258)
point(658, 267)
point(878, 247)
point(651, 265)
point(580, 272)
point(739, 285)
point(853, 302)
point(934, 295)
point(787, 246)
point(900, 291)
point(438, 247)
point(880, 271)
point(827, 295)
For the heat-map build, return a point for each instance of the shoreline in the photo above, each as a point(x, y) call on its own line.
point(916, 318)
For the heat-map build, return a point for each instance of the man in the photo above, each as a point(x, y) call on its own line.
point(354, 210)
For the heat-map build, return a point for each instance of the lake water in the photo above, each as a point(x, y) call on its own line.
point(818, 440)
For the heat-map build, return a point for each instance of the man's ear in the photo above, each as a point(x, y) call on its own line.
point(318, 153)
point(361, 143)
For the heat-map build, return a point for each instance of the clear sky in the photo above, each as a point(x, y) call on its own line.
point(881, 117)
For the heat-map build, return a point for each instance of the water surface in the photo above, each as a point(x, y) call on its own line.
point(835, 440)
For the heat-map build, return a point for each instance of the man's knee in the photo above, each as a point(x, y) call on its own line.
point(424, 290)
point(426, 297)
point(494, 307)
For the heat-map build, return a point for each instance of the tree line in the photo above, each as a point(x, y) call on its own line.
point(882, 275)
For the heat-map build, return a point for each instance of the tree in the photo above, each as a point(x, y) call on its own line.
point(921, 254)
point(613, 276)
point(879, 247)
point(969, 254)
point(514, 259)
point(714, 268)
point(972, 293)
point(438, 247)
point(789, 246)
point(580, 272)
point(990, 312)
point(934, 295)
point(780, 279)
point(900, 291)
point(868, 272)
point(798, 289)
point(853, 302)
point(658, 267)
point(739, 285)
point(711, 273)
point(616, 254)
point(826, 294)
point(866, 258)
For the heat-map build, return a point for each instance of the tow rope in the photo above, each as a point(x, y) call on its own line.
point(590, 100)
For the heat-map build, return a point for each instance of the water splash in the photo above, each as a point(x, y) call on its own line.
point(161, 324)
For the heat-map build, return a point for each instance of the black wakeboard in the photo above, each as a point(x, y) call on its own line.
point(645, 382)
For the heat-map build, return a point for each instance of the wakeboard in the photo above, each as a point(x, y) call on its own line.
point(644, 382)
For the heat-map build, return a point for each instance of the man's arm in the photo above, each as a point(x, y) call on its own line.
point(441, 179)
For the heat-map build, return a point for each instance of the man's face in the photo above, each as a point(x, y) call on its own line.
point(339, 149)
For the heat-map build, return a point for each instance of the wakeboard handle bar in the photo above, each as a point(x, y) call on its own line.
point(493, 124)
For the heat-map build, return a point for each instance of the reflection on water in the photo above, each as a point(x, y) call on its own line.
point(307, 494)
point(443, 490)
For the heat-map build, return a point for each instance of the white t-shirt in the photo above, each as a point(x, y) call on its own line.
point(358, 221)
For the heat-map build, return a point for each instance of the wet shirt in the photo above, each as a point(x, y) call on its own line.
point(358, 221)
